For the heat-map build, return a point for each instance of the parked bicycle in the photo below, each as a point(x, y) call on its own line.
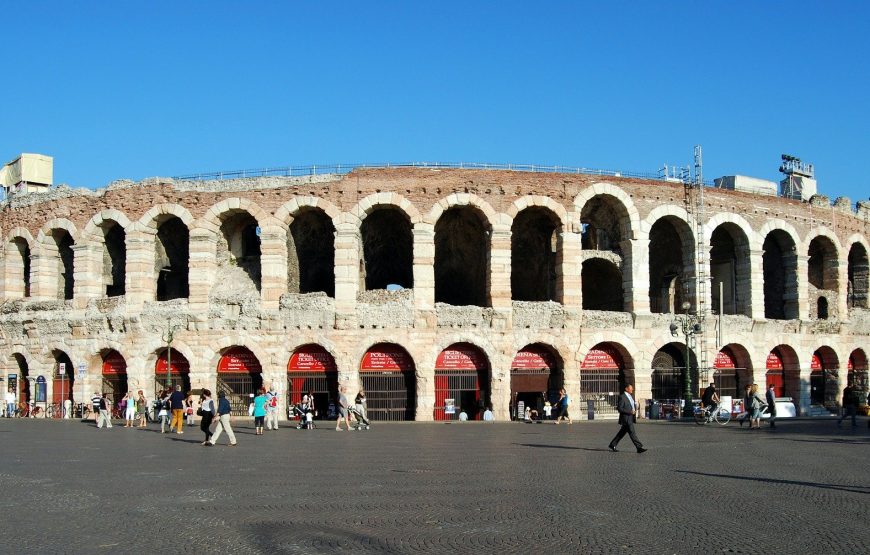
point(720, 415)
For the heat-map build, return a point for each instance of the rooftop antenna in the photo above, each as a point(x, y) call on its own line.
point(800, 178)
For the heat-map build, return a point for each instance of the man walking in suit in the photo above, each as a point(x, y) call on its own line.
point(627, 408)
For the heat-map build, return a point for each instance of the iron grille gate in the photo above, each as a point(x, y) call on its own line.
point(532, 388)
point(322, 386)
point(115, 387)
point(177, 379)
point(602, 387)
point(390, 396)
point(463, 386)
point(239, 390)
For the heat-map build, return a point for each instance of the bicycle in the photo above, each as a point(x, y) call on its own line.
point(720, 415)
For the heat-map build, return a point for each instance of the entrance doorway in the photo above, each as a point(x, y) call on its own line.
point(114, 378)
point(180, 374)
point(461, 382)
point(387, 375)
point(312, 371)
point(536, 377)
point(602, 378)
point(240, 376)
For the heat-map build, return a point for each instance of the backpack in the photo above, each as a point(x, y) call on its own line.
point(273, 402)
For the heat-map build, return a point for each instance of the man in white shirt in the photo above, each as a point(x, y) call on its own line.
point(10, 403)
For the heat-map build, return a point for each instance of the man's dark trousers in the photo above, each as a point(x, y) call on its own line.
point(626, 422)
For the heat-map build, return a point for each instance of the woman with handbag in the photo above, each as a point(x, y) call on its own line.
point(206, 411)
point(757, 404)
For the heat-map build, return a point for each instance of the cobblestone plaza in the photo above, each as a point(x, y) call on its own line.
point(435, 487)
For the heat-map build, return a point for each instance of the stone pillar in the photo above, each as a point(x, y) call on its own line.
point(500, 387)
point(842, 308)
point(202, 270)
point(425, 394)
point(756, 284)
point(44, 275)
point(347, 260)
point(635, 281)
point(804, 385)
point(424, 275)
point(13, 272)
point(273, 266)
point(570, 270)
point(87, 272)
point(797, 298)
point(499, 286)
point(141, 279)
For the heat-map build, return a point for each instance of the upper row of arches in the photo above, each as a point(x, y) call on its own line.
point(387, 230)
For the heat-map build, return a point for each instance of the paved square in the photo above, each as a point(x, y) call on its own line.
point(436, 488)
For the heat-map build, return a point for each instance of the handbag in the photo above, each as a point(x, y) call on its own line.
point(199, 411)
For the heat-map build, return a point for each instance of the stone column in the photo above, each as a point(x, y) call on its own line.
point(347, 259)
point(499, 286)
point(87, 272)
point(202, 270)
point(570, 270)
point(804, 400)
point(43, 275)
point(756, 284)
point(842, 308)
point(424, 275)
point(273, 264)
point(797, 298)
point(635, 281)
point(425, 394)
point(141, 279)
point(13, 272)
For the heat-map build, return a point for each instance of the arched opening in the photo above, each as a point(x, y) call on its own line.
point(18, 269)
point(240, 376)
point(534, 250)
point(670, 263)
point(779, 263)
point(822, 274)
point(602, 285)
point(62, 243)
point(857, 374)
point(114, 258)
point(783, 373)
point(170, 359)
point(824, 371)
point(669, 369)
point(461, 382)
point(171, 259)
point(311, 253)
point(859, 277)
point(387, 374)
point(21, 381)
point(238, 253)
point(603, 376)
point(536, 377)
point(312, 371)
point(729, 266)
point(727, 373)
point(388, 249)
point(64, 378)
point(605, 224)
point(462, 243)
point(822, 308)
point(114, 371)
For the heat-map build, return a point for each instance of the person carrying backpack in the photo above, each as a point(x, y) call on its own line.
point(272, 409)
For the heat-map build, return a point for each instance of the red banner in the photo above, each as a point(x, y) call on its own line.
point(534, 357)
point(239, 360)
point(385, 357)
point(311, 358)
point(774, 361)
point(114, 363)
point(602, 357)
point(725, 359)
point(816, 363)
point(461, 356)
point(180, 365)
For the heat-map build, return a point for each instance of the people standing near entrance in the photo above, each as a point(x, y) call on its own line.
point(259, 411)
point(95, 406)
point(206, 412)
point(757, 405)
point(188, 408)
point(342, 409)
point(747, 403)
point(223, 413)
point(10, 403)
point(176, 403)
point(105, 416)
point(360, 404)
point(163, 411)
point(563, 403)
point(850, 405)
point(141, 408)
point(129, 409)
point(272, 408)
point(771, 402)
point(627, 408)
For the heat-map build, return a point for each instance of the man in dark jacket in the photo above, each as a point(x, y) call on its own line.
point(627, 408)
point(223, 411)
point(850, 405)
point(176, 403)
point(770, 396)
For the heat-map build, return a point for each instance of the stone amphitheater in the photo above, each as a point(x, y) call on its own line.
point(439, 290)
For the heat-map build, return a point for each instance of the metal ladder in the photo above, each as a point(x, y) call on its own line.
point(694, 199)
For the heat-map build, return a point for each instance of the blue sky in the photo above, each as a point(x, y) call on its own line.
point(135, 89)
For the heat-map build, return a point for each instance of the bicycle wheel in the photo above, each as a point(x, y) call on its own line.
point(723, 416)
point(700, 417)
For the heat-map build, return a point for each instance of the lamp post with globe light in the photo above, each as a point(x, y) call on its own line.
point(688, 325)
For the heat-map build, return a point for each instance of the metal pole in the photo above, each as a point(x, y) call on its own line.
point(687, 382)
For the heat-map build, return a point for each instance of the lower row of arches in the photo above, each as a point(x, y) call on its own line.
point(462, 377)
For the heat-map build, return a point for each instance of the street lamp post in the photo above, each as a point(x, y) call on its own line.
point(167, 337)
point(689, 325)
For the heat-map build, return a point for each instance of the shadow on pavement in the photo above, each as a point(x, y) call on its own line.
point(850, 488)
point(542, 446)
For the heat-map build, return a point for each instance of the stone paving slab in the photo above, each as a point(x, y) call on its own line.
point(436, 488)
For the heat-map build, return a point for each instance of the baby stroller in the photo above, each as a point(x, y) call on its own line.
point(362, 423)
point(306, 416)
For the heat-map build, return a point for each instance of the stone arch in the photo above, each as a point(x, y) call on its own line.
point(535, 245)
point(90, 233)
point(107, 230)
point(463, 244)
point(858, 273)
point(217, 213)
point(235, 223)
point(779, 266)
point(151, 219)
point(490, 216)
point(671, 259)
point(732, 377)
point(393, 200)
point(823, 266)
point(729, 238)
point(387, 244)
point(18, 273)
point(310, 245)
point(57, 223)
point(602, 284)
point(824, 377)
point(540, 201)
point(217, 347)
point(633, 224)
point(287, 211)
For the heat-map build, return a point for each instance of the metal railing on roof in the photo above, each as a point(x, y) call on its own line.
point(341, 169)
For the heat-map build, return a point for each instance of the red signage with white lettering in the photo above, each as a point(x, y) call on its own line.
point(180, 365)
point(602, 357)
point(725, 359)
point(774, 361)
point(239, 360)
point(816, 364)
point(385, 357)
point(461, 356)
point(114, 363)
point(534, 357)
point(311, 358)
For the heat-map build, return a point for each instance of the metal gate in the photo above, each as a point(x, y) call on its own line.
point(463, 388)
point(322, 386)
point(239, 390)
point(532, 387)
point(115, 387)
point(390, 396)
point(727, 382)
point(176, 379)
point(602, 387)
point(667, 384)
